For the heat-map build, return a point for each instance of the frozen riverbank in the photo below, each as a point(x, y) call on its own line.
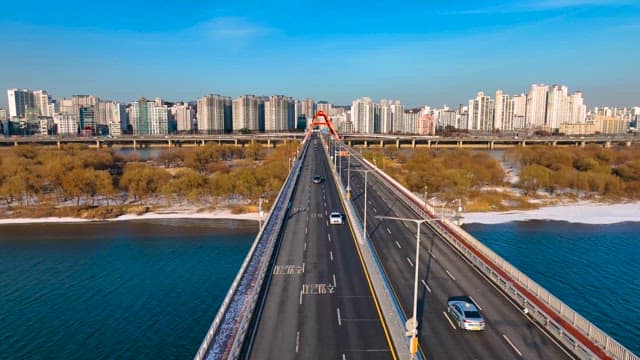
point(583, 212)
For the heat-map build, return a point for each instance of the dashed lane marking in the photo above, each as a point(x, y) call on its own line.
point(449, 320)
point(425, 285)
point(409, 260)
point(397, 243)
point(339, 319)
point(475, 302)
point(331, 255)
point(451, 276)
point(297, 340)
point(513, 346)
point(334, 281)
point(329, 237)
point(389, 231)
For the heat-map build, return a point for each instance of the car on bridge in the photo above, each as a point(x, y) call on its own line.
point(317, 179)
point(465, 313)
point(335, 218)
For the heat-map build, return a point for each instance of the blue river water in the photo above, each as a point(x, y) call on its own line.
point(125, 290)
point(150, 289)
point(595, 269)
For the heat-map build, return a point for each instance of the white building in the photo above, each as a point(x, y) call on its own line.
point(19, 101)
point(67, 123)
point(277, 113)
point(113, 115)
point(42, 102)
point(557, 106)
point(147, 118)
point(519, 107)
point(503, 113)
point(536, 106)
point(481, 113)
point(577, 108)
point(410, 121)
point(183, 113)
point(363, 113)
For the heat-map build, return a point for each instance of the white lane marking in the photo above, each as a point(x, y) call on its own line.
point(405, 224)
point(451, 276)
point(329, 236)
point(327, 224)
point(449, 320)
point(325, 205)
point(331, 255)
point(425, 285)
point(474, 300)
point(375, 210)
point(510, 343)
point(389, 231)
point(305, 246)
point(334, 281)
point(399, 247)
point(409, 260)
point(306, 230)
point(344, 357)
point(325, 212)
point(297, 340)
point(339, 319)
point(432, 254)
point(300, 297)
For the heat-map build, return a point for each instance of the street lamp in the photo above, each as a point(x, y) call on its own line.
point(425, 197)
point(412, 324)
point(364, 229)
point(349, 176)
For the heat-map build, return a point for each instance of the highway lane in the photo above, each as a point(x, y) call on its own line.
point(508, 335)
point(318, 304)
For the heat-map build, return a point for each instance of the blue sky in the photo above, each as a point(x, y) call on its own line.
point(420, 52)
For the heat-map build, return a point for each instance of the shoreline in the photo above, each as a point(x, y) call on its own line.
point(580, 213)
point(168, 214)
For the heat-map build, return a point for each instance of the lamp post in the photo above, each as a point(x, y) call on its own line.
point(364, 230)
point(349, 176)
point(412, 324)
point(425, 197)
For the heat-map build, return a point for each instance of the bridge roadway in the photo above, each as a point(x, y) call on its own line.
point(318, 303)
point(509, 334)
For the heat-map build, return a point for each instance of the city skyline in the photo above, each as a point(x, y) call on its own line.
point(433, 55)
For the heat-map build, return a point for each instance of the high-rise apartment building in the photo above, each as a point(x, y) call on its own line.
point(3, 114)
point(557, 107)
point(278, 113)
point(113, 115)
point(397, 113)
point(410, 121)
point(183, 113)
point(19, 101)
point(247, 113)
point(325, 106)
point(42, 102)
point(577, 108)
point(481, 113)
point(519, 107)
point(536, 106)
point(363, 113)
point(214, 114)
point(147, 118)
point(503, 113)
point(386, 117)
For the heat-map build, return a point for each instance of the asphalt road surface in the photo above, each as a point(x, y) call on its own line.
point(317, 303)
point(508, 334)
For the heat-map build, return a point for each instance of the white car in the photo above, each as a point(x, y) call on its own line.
point(335, 218)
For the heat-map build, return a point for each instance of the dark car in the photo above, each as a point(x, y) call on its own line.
point(317, 179)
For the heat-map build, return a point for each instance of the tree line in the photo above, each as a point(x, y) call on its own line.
point(203, 176)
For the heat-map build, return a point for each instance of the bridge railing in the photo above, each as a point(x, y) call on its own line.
point(227, 332)
point(567, 325)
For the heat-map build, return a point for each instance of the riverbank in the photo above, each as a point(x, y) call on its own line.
point(164, 214)
point(580, 212)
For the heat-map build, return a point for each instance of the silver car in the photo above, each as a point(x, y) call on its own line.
point(465, 313)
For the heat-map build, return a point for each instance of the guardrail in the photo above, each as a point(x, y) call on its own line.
point(577, 333)
point(226, 334)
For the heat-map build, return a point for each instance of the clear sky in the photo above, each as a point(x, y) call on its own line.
point(420, 52)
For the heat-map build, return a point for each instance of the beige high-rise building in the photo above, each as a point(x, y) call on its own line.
point(536, 106)
point(113, 115)
point(557, 106)
point(386, 117)
point(246, 112)
point(519, 107)
point(43, 103)
point(213, 110)
point(277, 114)
point(67, 123)
point(481, 113)
point(397, 110)
point(183, 113)
point(577, 108)
point(503, 113)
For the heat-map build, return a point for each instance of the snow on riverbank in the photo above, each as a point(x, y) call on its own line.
point(178, 214)
point(582, 212)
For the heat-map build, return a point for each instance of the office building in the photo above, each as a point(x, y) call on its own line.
point(67, 123)
point(19, 101)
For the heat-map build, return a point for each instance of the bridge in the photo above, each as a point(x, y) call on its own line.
point(352, 140)
point(310, 289)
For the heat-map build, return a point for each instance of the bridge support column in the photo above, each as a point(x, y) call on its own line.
point(583, 143)
point(268, 142)
point(460, 143)
point(628, 143)
point(366, 144)
point(429, 144)
point(169, 141)
point(397, 143)
point(554, 143)
point(492, 145)
point(523, 143)
point(15, 143)
point(98, 144)
point(235, 142)
point(58, 144)
point(607, 144)
point(413, 143)
point(135, 144)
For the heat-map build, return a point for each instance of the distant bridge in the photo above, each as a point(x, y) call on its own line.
point(352, 140)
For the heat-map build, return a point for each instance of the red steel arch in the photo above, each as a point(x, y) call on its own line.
point(327, 122)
